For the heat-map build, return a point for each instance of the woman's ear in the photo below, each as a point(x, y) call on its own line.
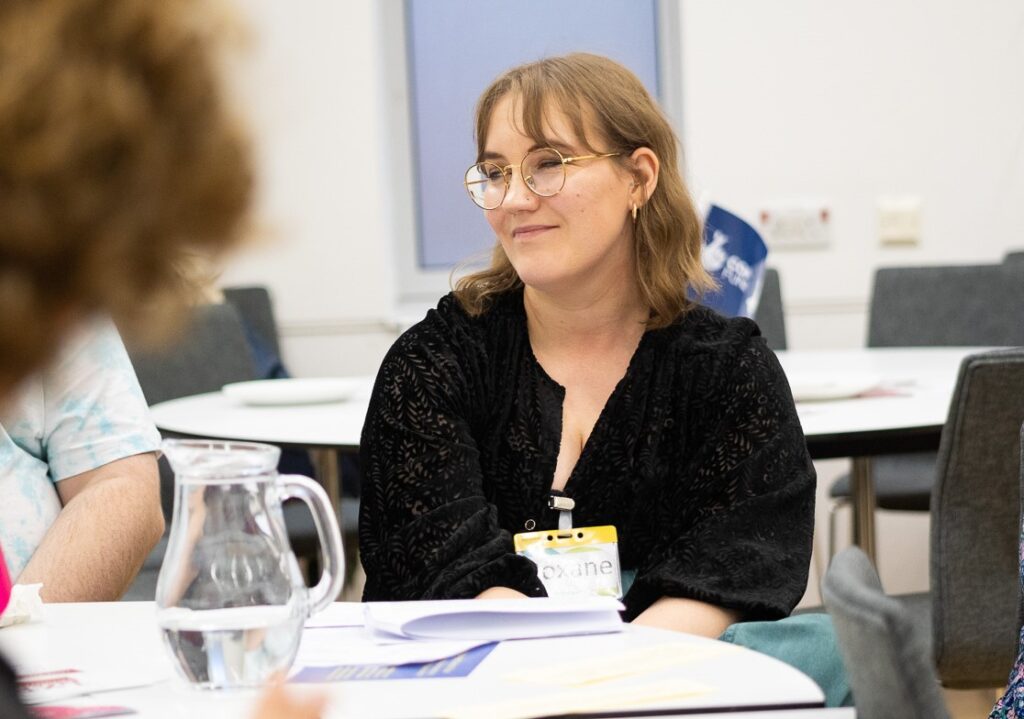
point(645, 175)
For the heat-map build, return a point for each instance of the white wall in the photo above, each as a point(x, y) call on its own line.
point(842, 101)
point(847, 101)
point(313, 89)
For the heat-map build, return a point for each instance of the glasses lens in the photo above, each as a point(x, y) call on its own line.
point(544, 171)
point(486, 184)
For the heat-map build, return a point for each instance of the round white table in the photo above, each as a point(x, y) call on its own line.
point(121, 639)
point(907, 415)
point(904, 412)
point(322, 428)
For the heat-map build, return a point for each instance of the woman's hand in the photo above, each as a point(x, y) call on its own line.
point(276, 703)
point(501, 593)
point(688, 615)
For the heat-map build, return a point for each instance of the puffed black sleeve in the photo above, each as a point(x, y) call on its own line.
point(426, 530)
point(736, 523)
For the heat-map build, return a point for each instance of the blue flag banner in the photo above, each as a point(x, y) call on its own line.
point(734, 254)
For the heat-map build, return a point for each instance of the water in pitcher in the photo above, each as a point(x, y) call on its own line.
point(236, 647)
point(231, 600)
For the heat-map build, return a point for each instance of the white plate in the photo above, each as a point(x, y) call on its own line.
point(306, 390)
point(824, 387)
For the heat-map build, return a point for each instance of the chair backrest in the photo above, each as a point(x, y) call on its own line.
point(964, 305)
point(1014, 257)
point(975, 530)
point(257, 311)
point(885, 654)
point(209, 353)
point(770, 316)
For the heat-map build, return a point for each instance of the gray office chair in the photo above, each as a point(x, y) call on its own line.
point(210, 351)
point(256, 308)
point(770, 316)
point(213, 350)
point(1014, 258)
point(976, 524)
point(974, 608)
point(968, 305)
point(885, 651)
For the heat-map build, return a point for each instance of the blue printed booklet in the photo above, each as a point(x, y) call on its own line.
point(458, 666)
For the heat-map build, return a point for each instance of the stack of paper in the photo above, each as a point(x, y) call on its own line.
point(494, 619)
point(49, 686)
point(350, 645)
point(436, 638)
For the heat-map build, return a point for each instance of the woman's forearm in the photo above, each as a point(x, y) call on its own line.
point(688, 615)
point(501, 593)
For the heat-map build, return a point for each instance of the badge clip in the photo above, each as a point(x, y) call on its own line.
point(564, 505)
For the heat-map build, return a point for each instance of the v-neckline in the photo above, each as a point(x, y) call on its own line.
point(587, 450)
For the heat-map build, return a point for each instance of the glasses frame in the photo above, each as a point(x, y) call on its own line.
point(506, 173)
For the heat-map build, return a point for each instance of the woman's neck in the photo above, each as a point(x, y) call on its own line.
point(608, 316)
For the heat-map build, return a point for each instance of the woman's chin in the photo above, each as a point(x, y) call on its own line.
point(542, 279)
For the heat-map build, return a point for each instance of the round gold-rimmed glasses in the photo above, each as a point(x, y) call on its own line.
point(543, 171)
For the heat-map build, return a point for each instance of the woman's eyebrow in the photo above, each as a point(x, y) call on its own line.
point(562, 147)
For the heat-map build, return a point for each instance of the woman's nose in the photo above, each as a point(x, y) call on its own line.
point(518, 194)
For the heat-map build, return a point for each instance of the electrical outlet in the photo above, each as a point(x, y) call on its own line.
point(801, 223)
point(899, 220)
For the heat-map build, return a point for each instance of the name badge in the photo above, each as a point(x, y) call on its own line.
point(578, 562)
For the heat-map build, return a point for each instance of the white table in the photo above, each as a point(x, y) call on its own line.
point(321, 428)
point(123, 637)
point(857, 428)
point(922, 380)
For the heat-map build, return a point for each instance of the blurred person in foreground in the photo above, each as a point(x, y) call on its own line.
point(118, 158)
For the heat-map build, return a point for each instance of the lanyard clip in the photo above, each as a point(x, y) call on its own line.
point(564, 505)
point(561, 503)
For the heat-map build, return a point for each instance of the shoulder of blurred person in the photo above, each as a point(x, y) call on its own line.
point(83, 411)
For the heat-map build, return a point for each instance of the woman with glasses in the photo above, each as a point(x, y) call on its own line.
point(577, 366)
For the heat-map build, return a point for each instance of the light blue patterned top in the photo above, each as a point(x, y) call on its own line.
point(84, 411)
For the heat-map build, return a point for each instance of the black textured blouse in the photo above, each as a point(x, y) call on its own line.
point(697, 459)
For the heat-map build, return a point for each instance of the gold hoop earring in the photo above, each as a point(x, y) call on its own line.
point(635, 208)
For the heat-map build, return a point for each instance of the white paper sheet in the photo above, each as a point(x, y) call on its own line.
point(44, 687)
point(642, 661)
point(352, 645)
point(591, 699)
point(25, 605)
point(495, 620)
point(339, 614)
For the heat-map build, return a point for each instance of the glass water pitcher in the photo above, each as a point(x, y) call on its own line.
point(231, 599)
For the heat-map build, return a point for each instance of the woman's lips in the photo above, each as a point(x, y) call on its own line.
point(529, 231)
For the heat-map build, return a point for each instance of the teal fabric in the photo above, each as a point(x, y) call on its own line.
point(805, 641)
point(628, 575)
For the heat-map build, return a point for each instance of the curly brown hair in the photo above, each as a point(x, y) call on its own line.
point(118, 157)
point(601, 95)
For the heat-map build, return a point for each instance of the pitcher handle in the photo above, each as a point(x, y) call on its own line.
point(326, 522)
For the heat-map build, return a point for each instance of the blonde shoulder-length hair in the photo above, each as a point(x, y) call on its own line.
point(598, 95)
